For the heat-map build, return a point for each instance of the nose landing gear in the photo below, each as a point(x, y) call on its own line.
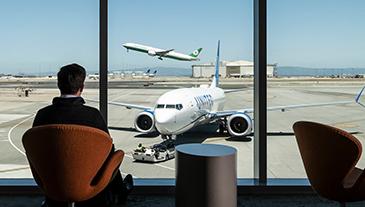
point(222, 125)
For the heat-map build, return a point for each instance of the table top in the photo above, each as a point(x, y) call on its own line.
point(207, 150)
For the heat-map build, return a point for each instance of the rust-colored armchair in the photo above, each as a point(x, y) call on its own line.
point(329, 156)
point(71, 163)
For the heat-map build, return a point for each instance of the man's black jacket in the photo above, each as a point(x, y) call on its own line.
point(70, 111)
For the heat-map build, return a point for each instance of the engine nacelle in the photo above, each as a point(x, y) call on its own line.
point(239, 124)
point(151, 53)
point(145, 122)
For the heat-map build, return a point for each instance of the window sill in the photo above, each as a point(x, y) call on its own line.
point(167, 187)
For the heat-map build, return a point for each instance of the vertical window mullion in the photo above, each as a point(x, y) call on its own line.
point(103, 59)
point(260, 92)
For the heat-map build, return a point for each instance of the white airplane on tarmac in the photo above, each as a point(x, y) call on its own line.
point(179, 110)
point(151, 51)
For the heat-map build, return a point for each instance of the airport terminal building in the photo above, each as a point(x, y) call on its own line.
point(228, 69)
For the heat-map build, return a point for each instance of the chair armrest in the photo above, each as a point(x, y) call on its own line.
point(111, 164)
point(353, 178)
point(360, 182)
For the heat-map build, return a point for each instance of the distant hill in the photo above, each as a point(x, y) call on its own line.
point(161, 71)
point(306, 71)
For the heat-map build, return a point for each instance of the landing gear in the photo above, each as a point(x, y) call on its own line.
point(222, 125)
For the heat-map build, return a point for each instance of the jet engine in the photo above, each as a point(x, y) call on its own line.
point(145, 122)
point(151, 53)
point(239, 124)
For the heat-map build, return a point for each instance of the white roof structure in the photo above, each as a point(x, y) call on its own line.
point(240, 63)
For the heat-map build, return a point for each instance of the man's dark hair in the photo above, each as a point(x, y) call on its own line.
point(71, 78)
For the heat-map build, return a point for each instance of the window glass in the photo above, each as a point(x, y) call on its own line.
point(37, 38)
point(316, 48)
point(170, 106)
point(159, 106)
point(169, 27)
point(179, 106)
point(163, 28)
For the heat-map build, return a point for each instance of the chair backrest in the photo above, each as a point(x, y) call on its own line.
point(328, 154)
point(66, 158)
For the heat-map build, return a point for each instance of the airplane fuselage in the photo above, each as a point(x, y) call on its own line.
point(154, 52)
point(179, 110)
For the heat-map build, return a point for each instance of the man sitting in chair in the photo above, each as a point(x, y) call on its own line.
point(69, 108)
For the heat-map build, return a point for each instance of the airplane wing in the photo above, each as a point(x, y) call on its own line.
point(234, 90)
point(164, 52)
point(130, 106)
point(226, 113)
point(127, 105)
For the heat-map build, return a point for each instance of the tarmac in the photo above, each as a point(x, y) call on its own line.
point(284, 161)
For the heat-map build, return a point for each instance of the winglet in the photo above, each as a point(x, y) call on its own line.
point(215, 81)
point(358, 96)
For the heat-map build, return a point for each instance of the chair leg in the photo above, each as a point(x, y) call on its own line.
point(71, 204)
point(342, 204)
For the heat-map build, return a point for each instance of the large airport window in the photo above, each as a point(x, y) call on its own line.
point(315, 56)
point(37, 38)
point(164, 52)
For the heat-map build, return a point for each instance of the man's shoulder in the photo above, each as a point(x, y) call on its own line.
point(45, 109)
point(90, 108)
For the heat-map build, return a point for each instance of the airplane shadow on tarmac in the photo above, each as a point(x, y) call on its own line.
point(202, 133)
point(141, 135)
point(127, 129)
point(148, 135)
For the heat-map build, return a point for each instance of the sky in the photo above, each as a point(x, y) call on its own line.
point(38, 36)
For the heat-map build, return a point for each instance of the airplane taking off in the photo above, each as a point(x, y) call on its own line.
point(179, 110)
point(160, 53)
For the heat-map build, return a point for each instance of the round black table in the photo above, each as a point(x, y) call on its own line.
point(206, 175)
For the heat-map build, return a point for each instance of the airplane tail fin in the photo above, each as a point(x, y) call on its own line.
point(215, 81)
point(196, 52)
point(148, 71)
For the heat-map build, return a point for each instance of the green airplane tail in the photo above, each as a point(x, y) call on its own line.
point(196, 52)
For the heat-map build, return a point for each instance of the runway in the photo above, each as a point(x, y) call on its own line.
point(17, 113)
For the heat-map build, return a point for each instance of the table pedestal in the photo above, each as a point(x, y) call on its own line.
point(206, 175)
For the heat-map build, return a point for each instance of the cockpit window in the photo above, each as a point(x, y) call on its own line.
point(170, 106)
point(179, 106)
point(160, 106)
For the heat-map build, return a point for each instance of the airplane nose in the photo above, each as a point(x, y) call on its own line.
point(164, 122)
point(162, 118)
